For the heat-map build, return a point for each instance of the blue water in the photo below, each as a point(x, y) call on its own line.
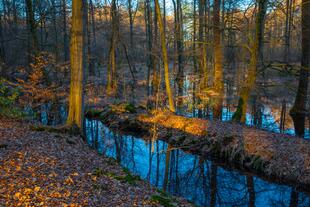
point(189, 176)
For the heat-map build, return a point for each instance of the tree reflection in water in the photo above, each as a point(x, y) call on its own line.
point(190, 176)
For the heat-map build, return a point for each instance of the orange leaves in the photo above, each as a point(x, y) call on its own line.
point(36, 189)
point(166, 119)
point(69, 181)
point(40, 85)
point(17, 196)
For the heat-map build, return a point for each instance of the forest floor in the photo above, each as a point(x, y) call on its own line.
point(52, 169)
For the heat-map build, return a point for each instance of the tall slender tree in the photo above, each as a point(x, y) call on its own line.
point(202, 44)
point(164, 56)
point(65, 31)
point(32, 27)
point(75, 116)
point(218, 60)
point(112, 83)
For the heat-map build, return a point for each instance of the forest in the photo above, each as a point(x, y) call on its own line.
point(154, 103)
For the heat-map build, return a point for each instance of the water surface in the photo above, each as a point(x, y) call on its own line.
point(190, 176)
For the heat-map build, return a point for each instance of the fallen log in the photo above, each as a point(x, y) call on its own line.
point(279, 157)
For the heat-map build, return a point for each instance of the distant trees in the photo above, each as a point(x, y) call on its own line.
point(75, 116)
point(215, 48)
point(299, 110)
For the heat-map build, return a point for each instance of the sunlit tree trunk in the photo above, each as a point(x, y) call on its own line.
point(255, 53)
point(298, 112)
point(164, 56)
point(218, 61)
point(75, 116)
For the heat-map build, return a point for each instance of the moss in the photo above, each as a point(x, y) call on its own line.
point(100, 187)
point(69, 141)
point(238, 114)
point(12, 112)
point(130, 108)
point(124, 107)
point(162, 200)
point(111, 161)
point(257, 163)
point(72, 130)
point(3, 146)
point(162, 193)
point(92, 113)
point(227, 140)
point(128, 178)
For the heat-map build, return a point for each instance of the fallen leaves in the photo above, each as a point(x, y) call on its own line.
point(38, 169)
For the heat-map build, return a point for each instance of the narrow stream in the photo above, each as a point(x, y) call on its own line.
point(190, 176)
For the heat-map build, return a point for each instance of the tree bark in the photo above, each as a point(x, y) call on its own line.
point(112, 83)
point(164, 56)
point(65, 31)
point(298, 112)
point(218, 61)
point(75, 116)
point(256, 56)
point(202, 45)
point(32, 27)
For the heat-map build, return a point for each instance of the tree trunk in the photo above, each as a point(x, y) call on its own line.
point(202, 45)
point(149, 37)
point(32, 27)
point(54, 14)
point(179, 45)
point(213, 185)
point(256, 50)
point(298, 112)
point(75, 116)
point(92, 13)
point(288, 24)
point(164, 56)
point(65, 31)
point(167, 167)
point(218, 61)
point(112, 83)
point(130, 22)
point(251, 190)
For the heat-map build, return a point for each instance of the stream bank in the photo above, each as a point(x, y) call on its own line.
point(279, 157)
point(40, 168)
